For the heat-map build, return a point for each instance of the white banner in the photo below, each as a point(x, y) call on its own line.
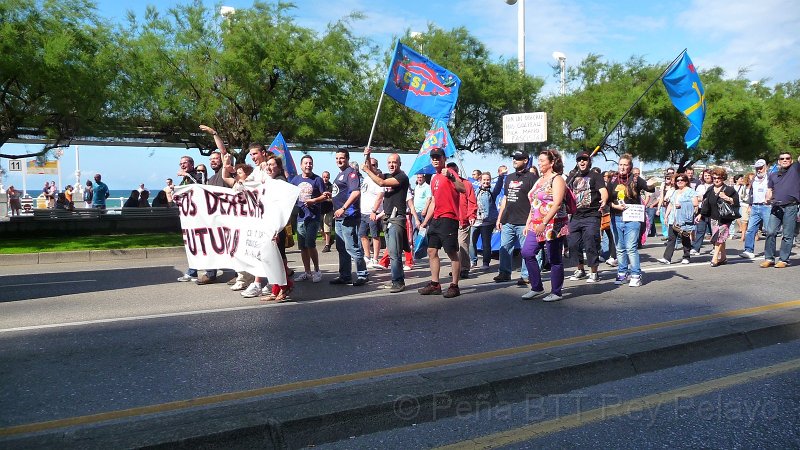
point(226, 229)
point(633, 213)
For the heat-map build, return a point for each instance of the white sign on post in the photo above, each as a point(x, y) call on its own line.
point(526, 127)
point(14, 165)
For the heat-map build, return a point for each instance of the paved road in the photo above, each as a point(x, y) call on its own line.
point(85, 338)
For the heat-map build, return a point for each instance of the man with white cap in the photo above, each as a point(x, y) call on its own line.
point(759, 210)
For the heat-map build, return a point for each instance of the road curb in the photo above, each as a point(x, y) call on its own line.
point(329, 413)
point(90, 255)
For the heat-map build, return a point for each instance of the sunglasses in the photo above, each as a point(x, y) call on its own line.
point(785, 159)
point(681, 179)
point(582, 159)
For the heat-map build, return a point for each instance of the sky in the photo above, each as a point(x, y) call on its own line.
point(759, 37)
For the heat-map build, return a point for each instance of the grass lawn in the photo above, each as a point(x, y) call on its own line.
point(72, 243)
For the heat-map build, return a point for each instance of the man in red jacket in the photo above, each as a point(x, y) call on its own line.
point(467, 212)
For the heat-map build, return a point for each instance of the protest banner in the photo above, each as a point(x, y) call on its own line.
point(228, 229)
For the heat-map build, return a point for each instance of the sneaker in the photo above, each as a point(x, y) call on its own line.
point(748, 255)
point(431, 289)
point(360, 281)
point(326, 249)
point(238, 286)
point(397, 286)
point(594, 277)
point(186, 278)
point(781, 264)
point(303, 276)
point(766, 263)
point(254, 290)
point(502, 278)
point(205, 279)
point(463, 275)
point(522, 281)
point(339, 280)
point(621, 278)
point(611, 262)
point(316, 277)
point(664, 261)
point(452, 291)
point(636, 281)
point(694, 252)
point(232, 281)
point(407, 267)
point(376, 265)
point(485, 267)
point(266, 290)
point(552, 298)
point(532, 294)
point(578, 275)
point(684, 261)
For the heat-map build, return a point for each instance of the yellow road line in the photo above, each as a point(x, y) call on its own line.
point(356, 376)
point(583, 418)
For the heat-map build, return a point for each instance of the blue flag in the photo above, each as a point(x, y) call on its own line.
point(420, 84)
point(436, 137)
point(688, 95)
point(279, 148)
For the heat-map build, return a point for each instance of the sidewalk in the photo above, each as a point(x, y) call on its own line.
point(90, 255)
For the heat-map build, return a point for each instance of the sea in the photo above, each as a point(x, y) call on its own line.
point(115, 199)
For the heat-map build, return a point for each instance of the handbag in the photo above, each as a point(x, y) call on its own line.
point(605, 222)
point(726, 211)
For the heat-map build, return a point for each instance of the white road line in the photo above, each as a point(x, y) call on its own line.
point(46, 283)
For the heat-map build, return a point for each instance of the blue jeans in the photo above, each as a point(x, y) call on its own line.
point(394, 236)
point(664, 227)
point(759, 214)
point(626, 235)
point(349, 248)
point(784, 218)
point(703, 227)
point(509, 235)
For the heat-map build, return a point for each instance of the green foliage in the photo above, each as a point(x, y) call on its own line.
point(56, 69)
point(744, 121)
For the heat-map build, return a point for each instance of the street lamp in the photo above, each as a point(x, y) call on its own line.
point(520, 33)
point(562, 62)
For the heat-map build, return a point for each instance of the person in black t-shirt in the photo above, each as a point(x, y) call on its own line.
point(591, 196)
point(395, 185)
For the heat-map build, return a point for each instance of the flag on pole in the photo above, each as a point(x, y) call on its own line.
point(688, 95)
point(437, 137)
point(420, 84)
point(279, 148)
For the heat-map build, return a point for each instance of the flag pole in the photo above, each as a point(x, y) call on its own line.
point(600, 145)
point(375, 120)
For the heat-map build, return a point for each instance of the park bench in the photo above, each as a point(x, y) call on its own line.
point(148, 212)
point(57, 214)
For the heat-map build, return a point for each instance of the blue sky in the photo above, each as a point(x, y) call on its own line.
point(735, 34)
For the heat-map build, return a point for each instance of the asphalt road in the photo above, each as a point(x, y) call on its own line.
point(85, 338)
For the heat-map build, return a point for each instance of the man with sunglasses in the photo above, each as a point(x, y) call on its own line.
point(591, 196)
point(513, 215)
point(783, 194)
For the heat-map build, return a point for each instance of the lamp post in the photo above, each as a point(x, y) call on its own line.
point(520, 43)
point(562, 62)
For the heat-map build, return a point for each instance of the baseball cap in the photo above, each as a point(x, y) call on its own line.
point(760, 163)
point(519, 155)
point(437, 152)
point(583, 155)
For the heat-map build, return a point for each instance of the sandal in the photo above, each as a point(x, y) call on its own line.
point(281, 297)
point(268, 298)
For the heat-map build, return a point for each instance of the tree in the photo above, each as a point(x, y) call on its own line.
point(251, 75)
point(56, 71)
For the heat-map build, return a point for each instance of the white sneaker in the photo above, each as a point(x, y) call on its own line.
point(748, 255)
point(532, 294)
point(636, 281)
point(664, 261)
point(407, 267)
point(694, 252)
point(316, 277)
point(594, 277)
point(552, 298)
point(302, 276)
point(621, 278)
point(186, 278)
point(254, 290)
point(266, 290)
point(376, 265)
point(238, 286)
point(684, 261)
point(578, 275)
point(611, 262)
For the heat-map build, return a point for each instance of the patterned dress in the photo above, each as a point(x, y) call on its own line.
point(541, 198)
